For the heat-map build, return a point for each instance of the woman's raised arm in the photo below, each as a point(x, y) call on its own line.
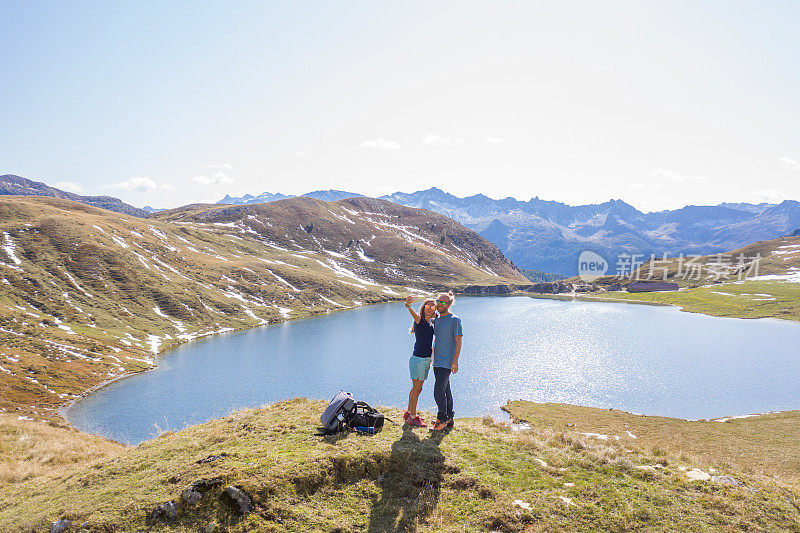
point(416, 316)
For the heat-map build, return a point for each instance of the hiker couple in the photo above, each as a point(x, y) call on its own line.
point(443, 332)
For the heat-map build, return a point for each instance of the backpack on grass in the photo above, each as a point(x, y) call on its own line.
point(333, 416)
point(364, 416)
point(343, 412)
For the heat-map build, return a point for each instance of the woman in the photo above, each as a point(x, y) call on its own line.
point(420, 361)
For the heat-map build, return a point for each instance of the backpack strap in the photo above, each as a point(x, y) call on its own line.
point(366, 407)
point(358, 408)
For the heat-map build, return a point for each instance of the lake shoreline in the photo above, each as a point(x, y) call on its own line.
point(587, 297)
point(494, 405)
point(63, 409)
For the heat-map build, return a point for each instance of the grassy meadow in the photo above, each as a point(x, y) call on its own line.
point(759, 280)
point(735, 299)
point(481, 476)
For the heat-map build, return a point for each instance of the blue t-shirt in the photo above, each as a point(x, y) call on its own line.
point(424, 334)
point(445, 330)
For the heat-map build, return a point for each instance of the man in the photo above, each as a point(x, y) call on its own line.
point(446, 349)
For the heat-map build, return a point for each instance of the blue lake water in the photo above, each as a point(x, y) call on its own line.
point(643, 359)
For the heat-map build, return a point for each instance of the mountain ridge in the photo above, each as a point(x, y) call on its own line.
point(89, 295)
point(13, 185)
point(549, 235)
point(546, 235)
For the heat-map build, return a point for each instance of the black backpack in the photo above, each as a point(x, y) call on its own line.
point(364, 416)
point(343, 412)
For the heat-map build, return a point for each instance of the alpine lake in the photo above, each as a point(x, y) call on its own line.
point(652, 360)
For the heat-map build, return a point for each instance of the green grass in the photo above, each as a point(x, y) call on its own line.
point(401, 479)
point(766, 446)
point(745, 299)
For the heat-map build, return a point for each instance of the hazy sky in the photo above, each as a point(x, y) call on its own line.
point(661, 104)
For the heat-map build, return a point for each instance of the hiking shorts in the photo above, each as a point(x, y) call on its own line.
point(419, 366)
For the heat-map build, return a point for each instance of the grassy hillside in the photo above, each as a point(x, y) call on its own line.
point(722, 284)
point(88, 295)
point(742, 299)
point(481, 476)
point(764, 447)
point(777, 259)
point(19, 186)
point(394, 238)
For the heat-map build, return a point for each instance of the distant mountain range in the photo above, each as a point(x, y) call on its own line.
point(11, 184)
point(331, 195)
point(549, 236)
point(540, 234)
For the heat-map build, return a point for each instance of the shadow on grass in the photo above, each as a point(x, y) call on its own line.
point(411, 484)
point(334, 438)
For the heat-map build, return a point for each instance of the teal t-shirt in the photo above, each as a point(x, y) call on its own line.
point(445, 330)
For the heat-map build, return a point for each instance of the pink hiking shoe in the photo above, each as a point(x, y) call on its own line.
point(417, 422)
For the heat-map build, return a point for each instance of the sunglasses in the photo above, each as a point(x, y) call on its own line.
point(442, 302)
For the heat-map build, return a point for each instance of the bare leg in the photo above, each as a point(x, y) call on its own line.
point(413, 396)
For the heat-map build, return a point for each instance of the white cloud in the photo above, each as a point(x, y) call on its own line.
point(493, 140)
point(674, 177)
point(139, 184)
point(432, 138)
point(771, 196)
point(69, 186)
point(219, 166)
point(637, 186)
point(219, 178)
point(301, 154)
point(381, 143)
point(790, 163)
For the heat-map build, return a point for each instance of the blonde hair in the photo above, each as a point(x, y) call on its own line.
point(450, 295)
point(421, 313)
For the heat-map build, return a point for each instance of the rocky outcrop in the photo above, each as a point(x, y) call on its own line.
point(166, 512)
point(204, 485)
point(488, 289)
point(191, 496)
point(60, 526)
point(237, 499)
point(551, 287)
point(212, 458)
point(194, 493)
point(584, 287)
point(651, 286)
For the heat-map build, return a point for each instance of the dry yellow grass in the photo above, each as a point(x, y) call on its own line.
point(766, 446)
point(30, 449)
